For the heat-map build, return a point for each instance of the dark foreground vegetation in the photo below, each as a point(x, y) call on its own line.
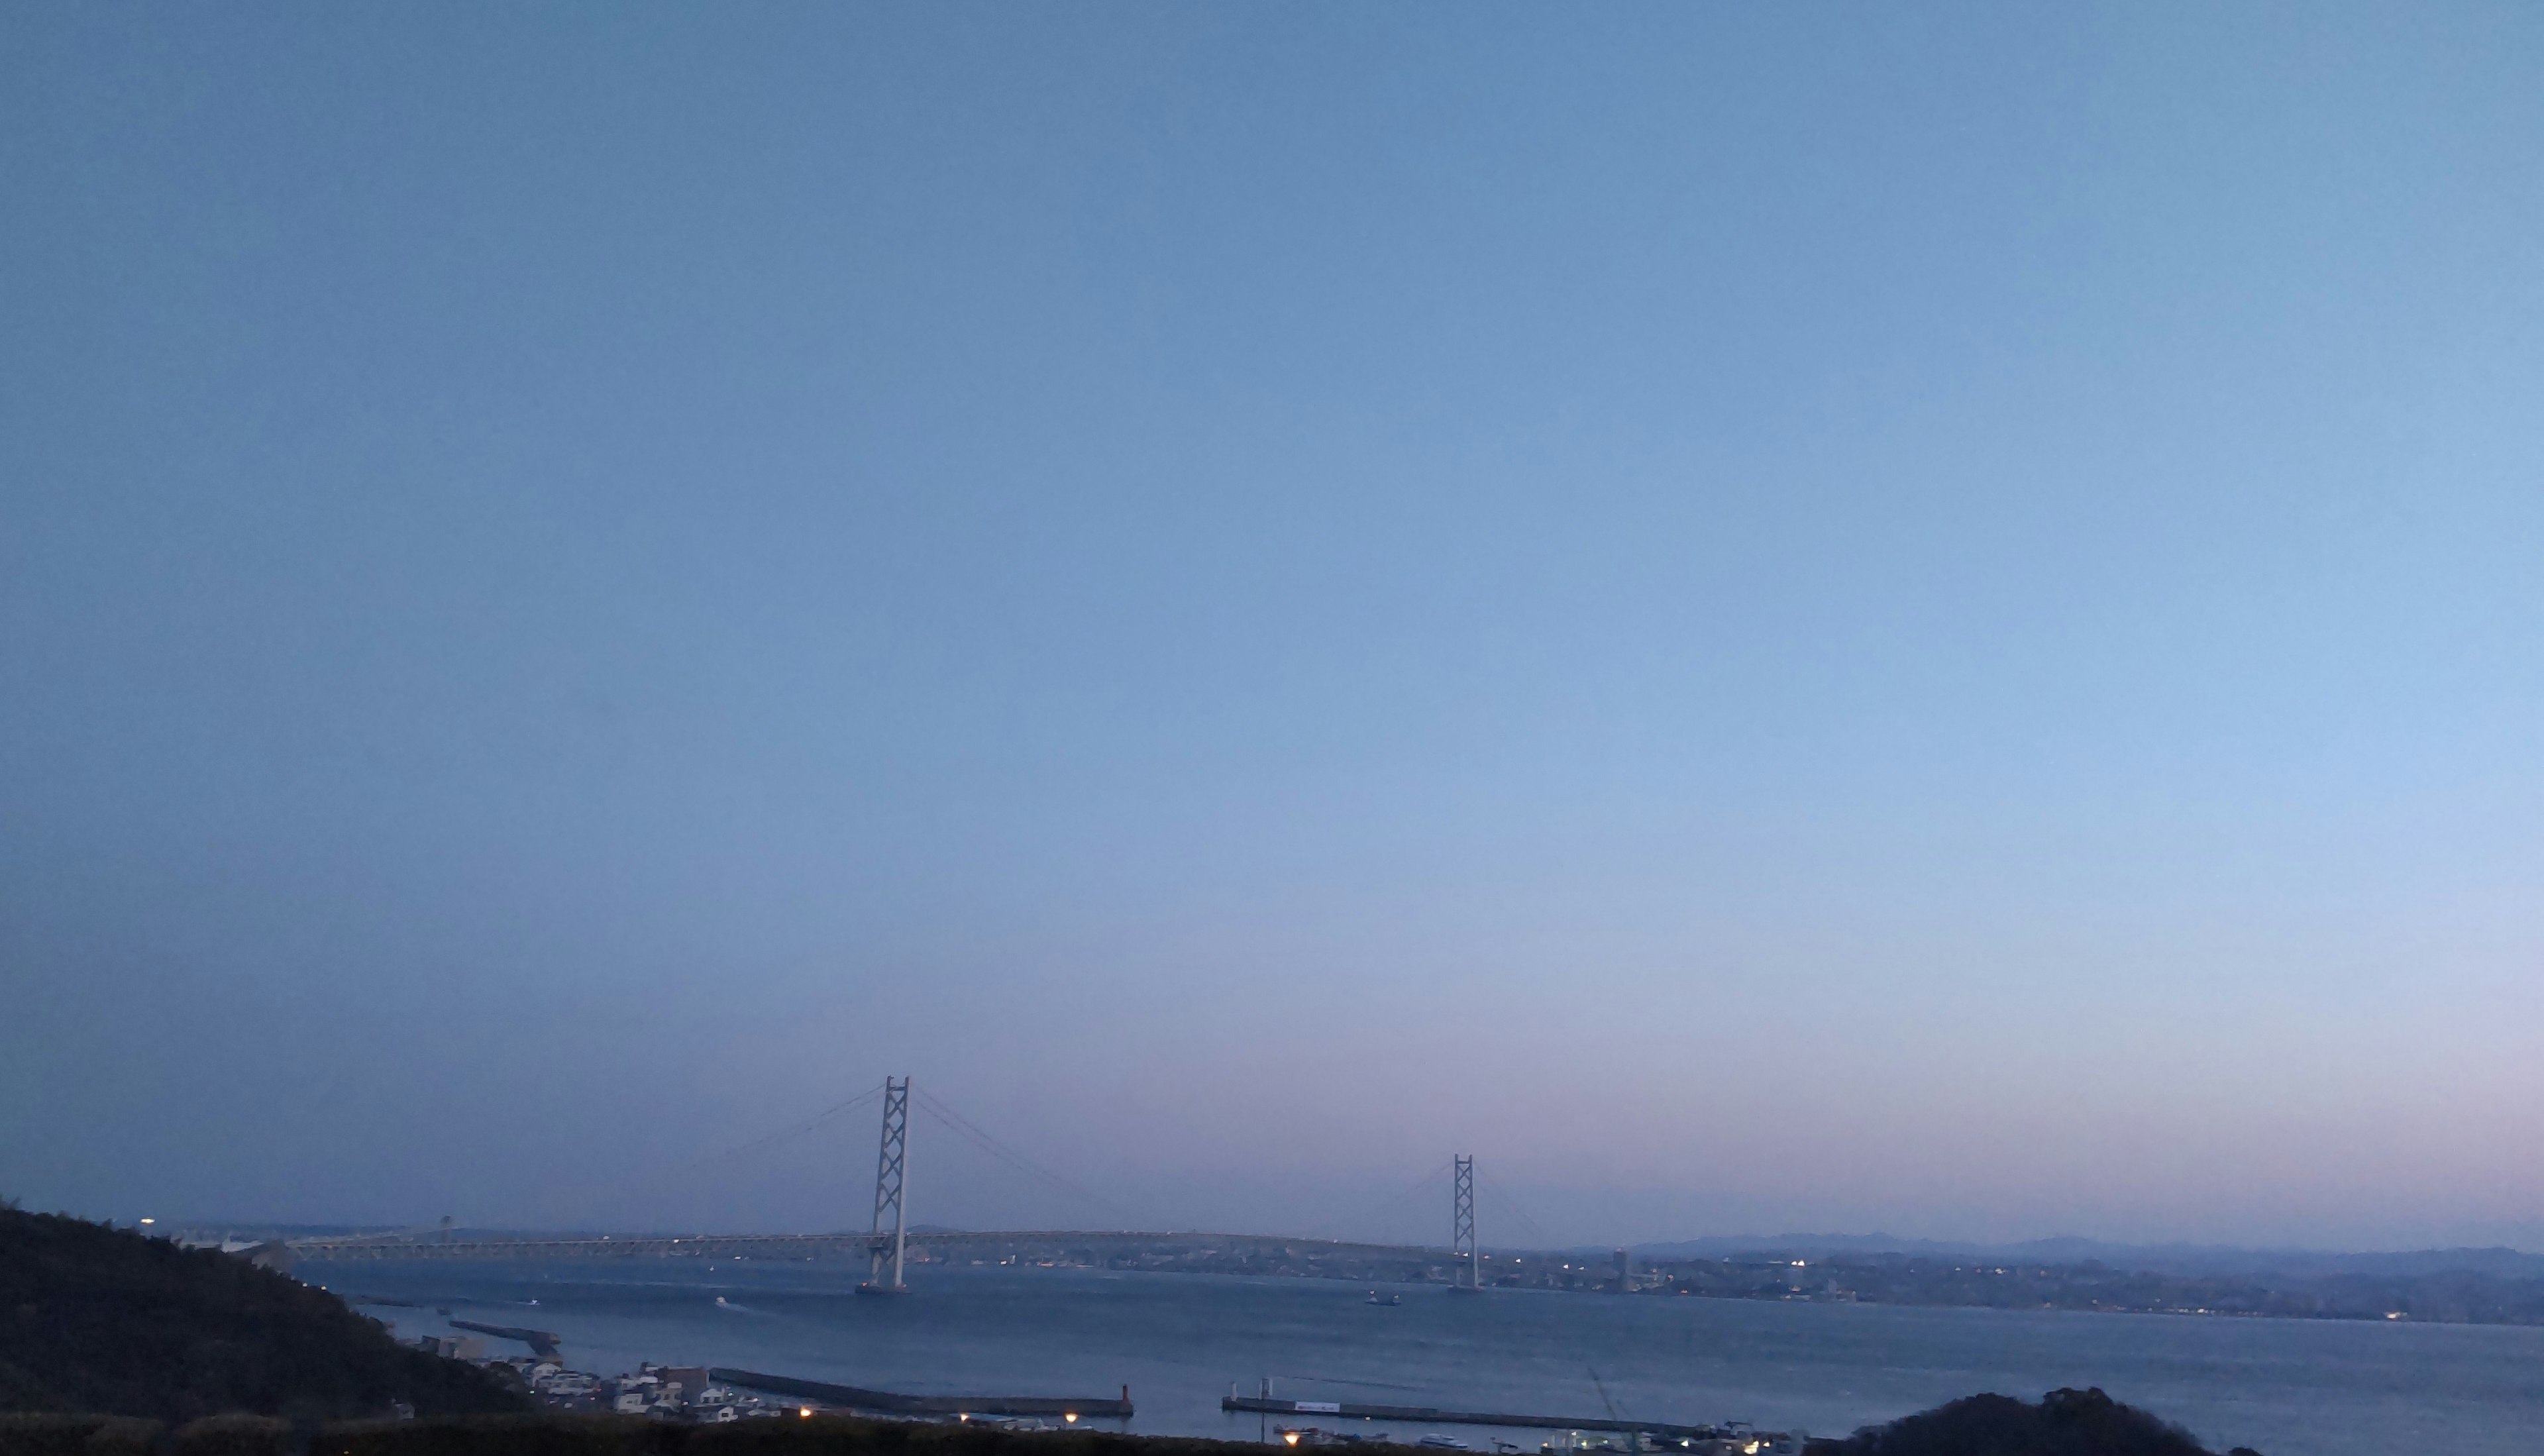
point(560, 1434)
point(95, 1319)
point(2064, 1423)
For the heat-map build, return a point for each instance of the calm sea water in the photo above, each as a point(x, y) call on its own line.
point(2286, 1387)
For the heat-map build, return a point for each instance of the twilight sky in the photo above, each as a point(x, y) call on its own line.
point(1770, 618)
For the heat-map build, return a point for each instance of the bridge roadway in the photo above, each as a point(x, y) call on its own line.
point(816, 1245)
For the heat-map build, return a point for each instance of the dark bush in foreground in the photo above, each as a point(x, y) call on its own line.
point(237, 1435)
point(51, 1434)
point(97, 1319)
point(507, 1436)
point(2066, 1422)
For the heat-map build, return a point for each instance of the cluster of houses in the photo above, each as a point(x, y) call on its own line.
point(662, 1392)
point(682, 1392)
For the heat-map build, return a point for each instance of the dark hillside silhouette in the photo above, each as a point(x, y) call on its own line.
point(101, 1320)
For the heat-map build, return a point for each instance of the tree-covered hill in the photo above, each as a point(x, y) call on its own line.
point(2066, 1422)
point(102, 1320)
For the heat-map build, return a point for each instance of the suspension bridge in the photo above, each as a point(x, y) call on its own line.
point(889, 1242)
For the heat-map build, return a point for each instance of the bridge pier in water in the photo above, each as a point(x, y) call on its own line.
point(892, 1176)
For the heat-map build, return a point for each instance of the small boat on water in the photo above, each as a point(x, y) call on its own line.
point(1438, 1442)
point(1377, 1298)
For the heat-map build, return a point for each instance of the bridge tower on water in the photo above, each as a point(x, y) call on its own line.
point(890, 1177)
point(1466, 1270)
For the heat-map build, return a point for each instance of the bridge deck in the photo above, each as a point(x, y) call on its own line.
point(728, 1246)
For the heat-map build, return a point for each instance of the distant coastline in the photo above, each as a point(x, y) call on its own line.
point(2483, 1287)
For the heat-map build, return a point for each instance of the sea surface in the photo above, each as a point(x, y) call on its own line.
point(1180, 1342)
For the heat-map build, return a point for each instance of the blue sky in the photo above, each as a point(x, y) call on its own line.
point(1770, 618)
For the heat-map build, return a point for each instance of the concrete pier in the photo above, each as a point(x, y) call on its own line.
point(889, 1403)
